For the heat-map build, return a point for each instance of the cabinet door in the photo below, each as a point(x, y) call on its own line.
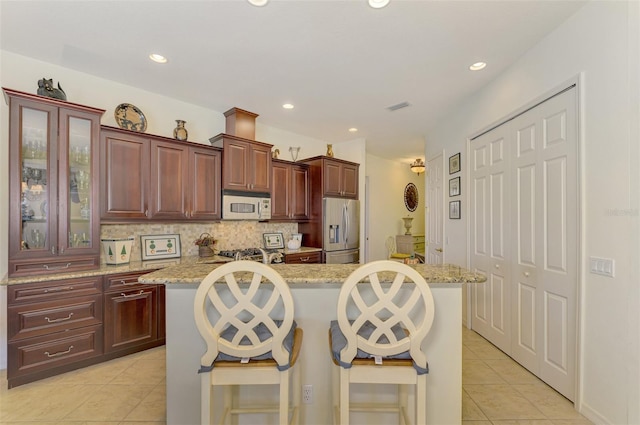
point(332, 179)
point(169, 176)
point(78, 215)
point(204, 184)
point(261, 168)
point(349, 181)
point(299, 192)
point(130, 318)
point(280, 208)
point(33, 161)
point(124, 176)
point(236, 165)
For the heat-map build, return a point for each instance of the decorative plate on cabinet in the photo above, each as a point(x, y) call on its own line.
point(411, 197)
point(130, 117)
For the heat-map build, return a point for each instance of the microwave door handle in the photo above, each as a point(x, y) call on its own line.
point(259, 209)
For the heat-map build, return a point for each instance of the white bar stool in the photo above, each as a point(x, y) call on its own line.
point(255, 340)
point(378, 337)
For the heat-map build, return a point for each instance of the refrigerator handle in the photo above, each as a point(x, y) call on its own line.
point(345, 217)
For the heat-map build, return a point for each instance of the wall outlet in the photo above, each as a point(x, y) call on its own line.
point(307, 394)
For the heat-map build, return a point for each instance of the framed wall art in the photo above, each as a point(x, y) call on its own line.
point(454, 186)
point(454, 210)
point(454, 163)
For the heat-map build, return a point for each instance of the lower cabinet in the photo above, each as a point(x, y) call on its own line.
point(58, 326)
point(314, 257)
point(130, 318)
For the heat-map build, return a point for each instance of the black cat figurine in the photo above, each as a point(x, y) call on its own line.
point(45, 88)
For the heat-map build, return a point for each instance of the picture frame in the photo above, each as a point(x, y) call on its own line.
point(156, 247)
point(273, 240)
point(454, 186)
point(454, 210)
point(454, 163)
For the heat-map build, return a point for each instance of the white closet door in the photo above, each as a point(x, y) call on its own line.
point(435, 209)
point(544, 230)
point(524, 237)
point(489, 190)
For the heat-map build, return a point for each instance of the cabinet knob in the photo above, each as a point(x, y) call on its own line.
point(146, 213)
point(526, 274)
point(53, 250)
point(497, 266)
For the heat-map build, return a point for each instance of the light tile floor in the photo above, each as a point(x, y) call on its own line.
point(131, 391)
point(497, 390)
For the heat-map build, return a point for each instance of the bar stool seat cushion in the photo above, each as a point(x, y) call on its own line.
point(338, 342)
point(263, 334)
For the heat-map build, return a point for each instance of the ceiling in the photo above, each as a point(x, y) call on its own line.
point(340, 62)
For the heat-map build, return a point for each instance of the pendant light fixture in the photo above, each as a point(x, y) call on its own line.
point(417, 166)
point(378, 4)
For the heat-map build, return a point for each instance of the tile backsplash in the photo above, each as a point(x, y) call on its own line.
point(230, 234)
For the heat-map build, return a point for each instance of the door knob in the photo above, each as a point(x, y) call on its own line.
point(497, 266)
point(526, 274)
point(439, 249)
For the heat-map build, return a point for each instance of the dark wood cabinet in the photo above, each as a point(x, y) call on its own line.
point(133, 314)
point(246, 164)
point(155, 178)
point(303, 258)
point(290, 194)
point(58, 326)
point(334, 177)
point(53, 163)
point(53, 327)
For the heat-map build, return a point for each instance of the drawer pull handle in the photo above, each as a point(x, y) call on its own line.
point(135, 282)
point(62, 319)
point(305, 259)
point(132, 295)
point(58, 289)
point(61, 353)
point(57, 268)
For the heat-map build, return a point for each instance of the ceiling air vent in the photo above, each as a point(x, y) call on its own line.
point(398, 106)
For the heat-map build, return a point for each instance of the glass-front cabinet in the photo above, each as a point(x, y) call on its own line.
point(53, 178)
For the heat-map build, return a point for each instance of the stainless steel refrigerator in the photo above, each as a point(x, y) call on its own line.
point(341, 230)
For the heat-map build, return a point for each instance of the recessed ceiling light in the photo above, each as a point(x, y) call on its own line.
point(378, 4)
point(353, 129)
point(477, 66)
point(288, 106)
point(157, 58)
point(258, 3)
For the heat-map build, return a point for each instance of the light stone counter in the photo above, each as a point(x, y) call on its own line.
point(106, 269)
point(315, 289)
point(312, 274)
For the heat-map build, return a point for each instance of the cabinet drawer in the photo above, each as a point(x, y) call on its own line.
point(51, 265)
point(418, 247)
point(30, 320)
point(418, 239)
point(41, 353)
point(304, 258)
point(124, 282)
point(53, 290)
point(130, 318)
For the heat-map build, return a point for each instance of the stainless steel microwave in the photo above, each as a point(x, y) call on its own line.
point(246, 205)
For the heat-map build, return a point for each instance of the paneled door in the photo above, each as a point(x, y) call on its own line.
point(435, 210)
point(490, 301)
point(524, 237)
point(544, 240)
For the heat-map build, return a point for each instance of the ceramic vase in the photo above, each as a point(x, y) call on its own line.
point(180, 132)
point(407, 224)
point(330, 150)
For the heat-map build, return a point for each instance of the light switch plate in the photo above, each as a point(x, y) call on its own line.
point(602, 266)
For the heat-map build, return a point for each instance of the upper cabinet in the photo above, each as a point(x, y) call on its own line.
point(290, 194)
point(338, 178)
point(151, 177)
point(53, 185)
point(246, 164)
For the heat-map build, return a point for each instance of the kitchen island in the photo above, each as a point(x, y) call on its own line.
point(315, 290)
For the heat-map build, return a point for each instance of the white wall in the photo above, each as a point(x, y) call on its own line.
point(601, 42)
point(387, 180)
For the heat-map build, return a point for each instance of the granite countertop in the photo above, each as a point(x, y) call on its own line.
point(132, 267)
point(107, 269)
point(301, 274)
